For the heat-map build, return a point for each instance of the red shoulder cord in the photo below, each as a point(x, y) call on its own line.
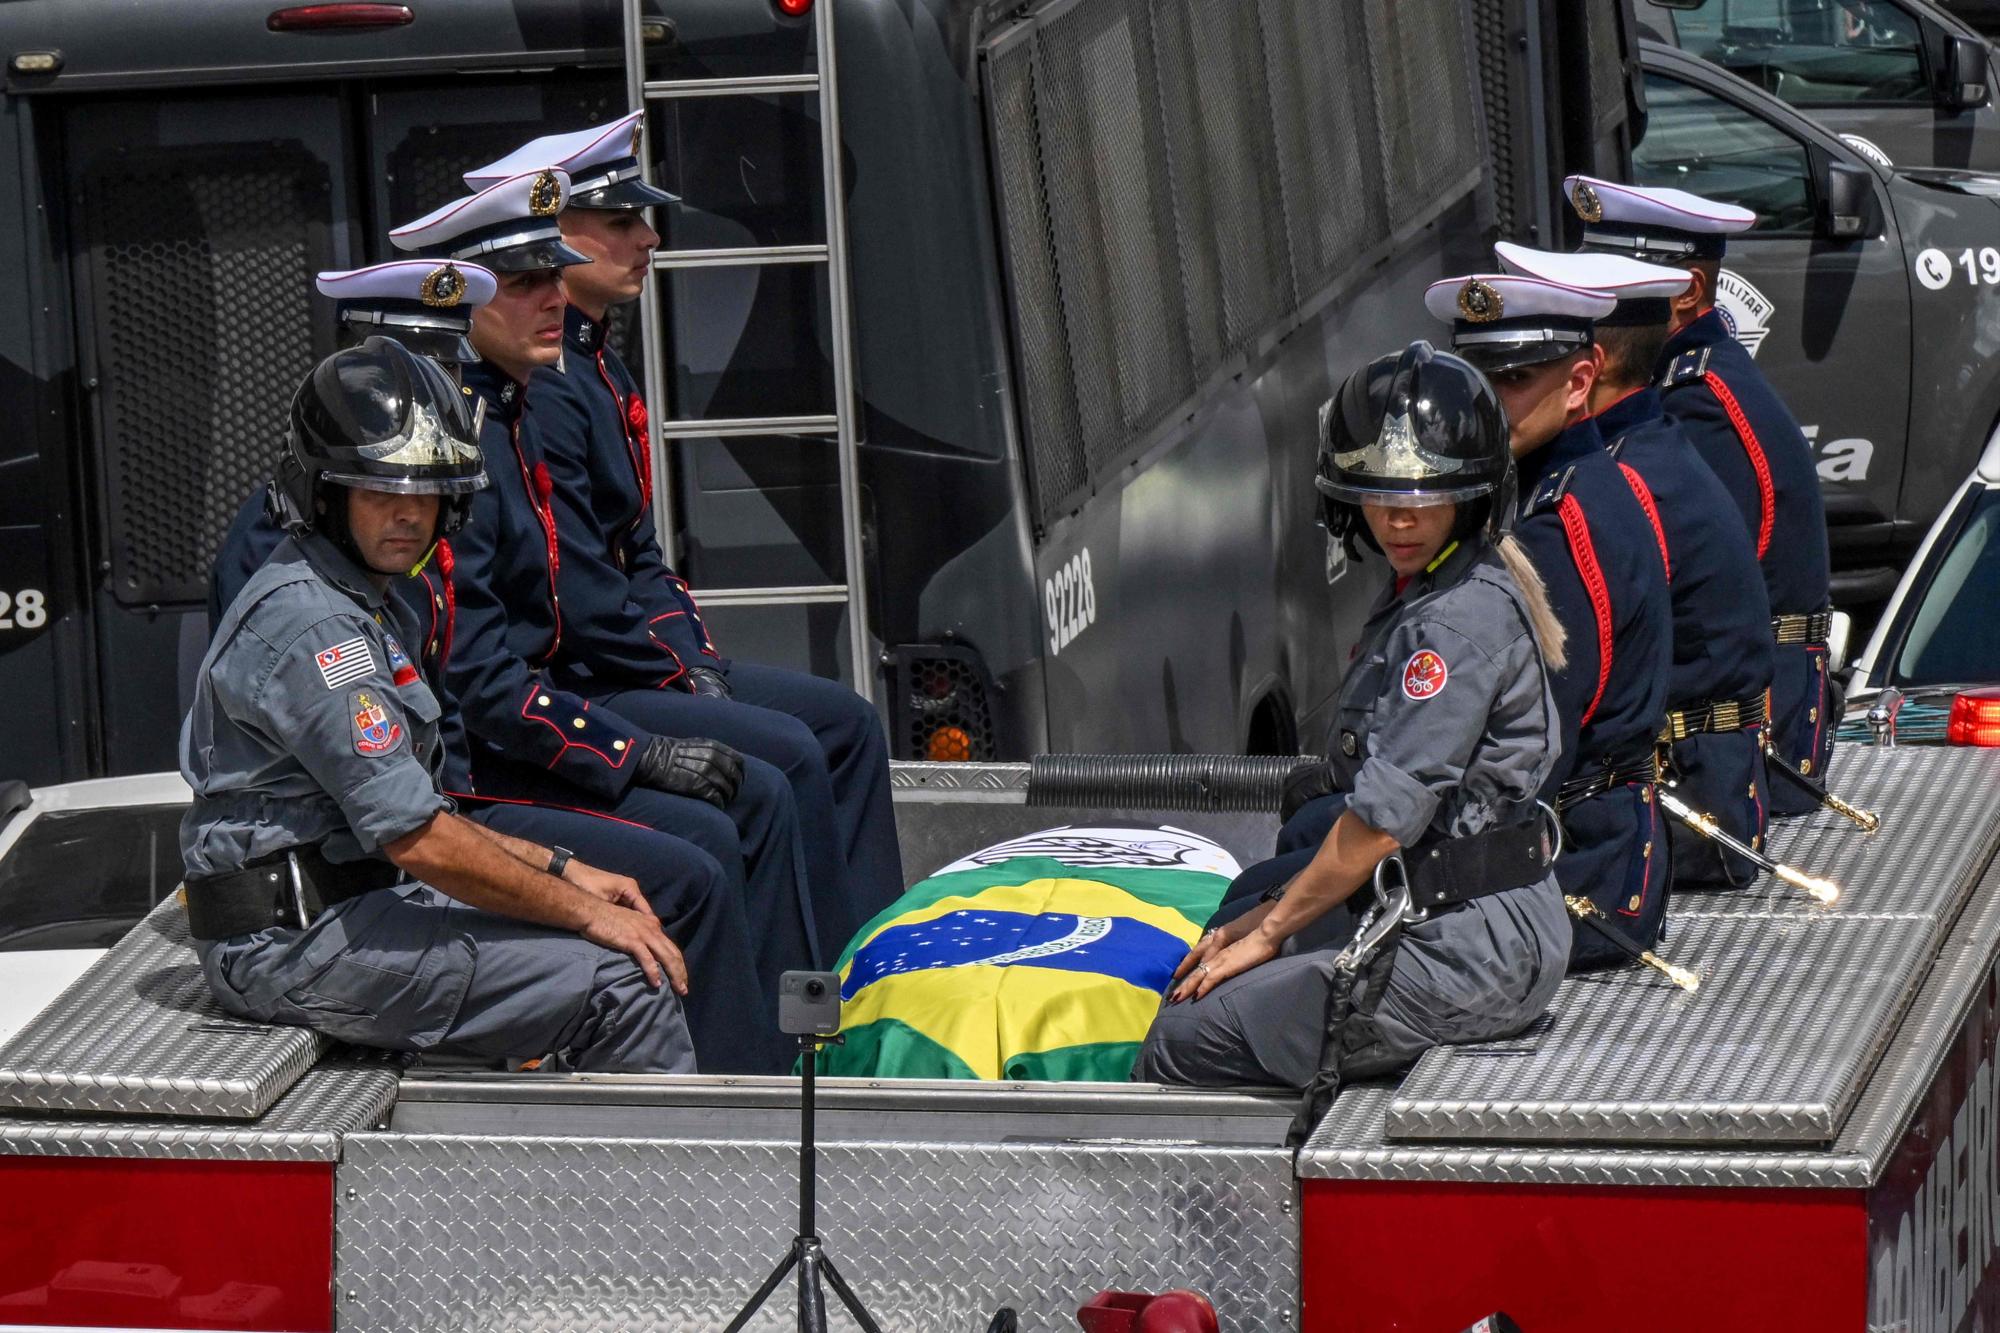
point(450, 601)
point(1577, 528)
point(637, 445)
point(1644, 495)
point(1767, 500)
point(540, 487)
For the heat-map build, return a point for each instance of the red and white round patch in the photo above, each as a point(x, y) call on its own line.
point(1424, 675)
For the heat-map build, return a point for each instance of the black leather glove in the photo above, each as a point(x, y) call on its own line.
point(708, 683)
point(1308, 782)
point(693, 766)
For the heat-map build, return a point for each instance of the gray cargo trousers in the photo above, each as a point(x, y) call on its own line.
point(409, 969)
point(1477, 973)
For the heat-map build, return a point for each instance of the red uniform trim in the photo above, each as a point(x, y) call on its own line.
point(631, 742)
point(1577, 529)
point(1644, 495)
point(1767, 497)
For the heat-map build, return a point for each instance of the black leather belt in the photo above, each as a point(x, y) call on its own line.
point(1814, 628)
point(1611, 776)
point(1729, 715)
point(1457, 870)
point(287, 888)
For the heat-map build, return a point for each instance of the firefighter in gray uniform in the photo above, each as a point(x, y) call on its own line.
point(313, 747)
point(1448, 730)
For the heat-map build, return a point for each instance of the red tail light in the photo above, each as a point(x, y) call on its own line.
point(1975, 718)
point(795, 8)
point(336, 17)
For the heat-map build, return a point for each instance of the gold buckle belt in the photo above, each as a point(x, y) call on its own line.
point(1729, 715)
point(1814, 628)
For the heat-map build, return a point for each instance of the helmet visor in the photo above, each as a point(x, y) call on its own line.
point(1334, 489)
point(436, 485)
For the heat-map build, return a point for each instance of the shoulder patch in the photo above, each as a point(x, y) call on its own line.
point(401, 669)
point(1424, 675)
point(375, 732)
point(349, 660)
point(1690, 367)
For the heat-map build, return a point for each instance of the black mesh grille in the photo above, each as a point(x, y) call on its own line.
point(942, 705)
point(1048, 400)
point(1104, 172)
point(1495, 55)
point(201, 270)
point(1326, 140)
point(1223, 167)
point(1175, 176)
point(1424, 95)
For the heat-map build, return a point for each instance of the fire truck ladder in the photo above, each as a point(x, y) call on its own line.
point(840, 423)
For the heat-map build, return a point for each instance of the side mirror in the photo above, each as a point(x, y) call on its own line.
point(1837, 639)
point(1850, 207)
point(1965, 73)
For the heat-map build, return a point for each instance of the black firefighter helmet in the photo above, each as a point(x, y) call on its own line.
point(376, 417)
point(1413, 428)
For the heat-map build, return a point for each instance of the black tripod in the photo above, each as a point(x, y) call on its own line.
point(806, 1253)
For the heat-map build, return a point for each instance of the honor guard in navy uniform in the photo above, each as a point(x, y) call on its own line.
point(1744, 432)
point(328, 882)
point(1721, 676)
point(631, 627)
point(1597, 552)
point(1448, 732)
point(423, 305)
point(538, 750)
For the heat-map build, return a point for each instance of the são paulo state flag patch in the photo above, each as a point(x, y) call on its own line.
point(1424, 675)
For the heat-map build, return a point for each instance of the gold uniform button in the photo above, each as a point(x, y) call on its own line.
point(543, 700)
point(1633, 906)
point(618, 745)
point(1805, 765)
point(1812, 714)
point(576, 722)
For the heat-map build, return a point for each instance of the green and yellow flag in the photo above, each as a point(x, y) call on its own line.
point(1044, 957)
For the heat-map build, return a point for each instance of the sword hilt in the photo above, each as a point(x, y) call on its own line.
point(1588, 912)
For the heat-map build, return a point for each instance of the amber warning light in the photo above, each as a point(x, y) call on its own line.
point(1975, 719)
point(339, 18)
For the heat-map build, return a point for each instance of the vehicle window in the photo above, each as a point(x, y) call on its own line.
point(1812, 52)
point(1702, 144)
point(1954, 637)
point(79, 879)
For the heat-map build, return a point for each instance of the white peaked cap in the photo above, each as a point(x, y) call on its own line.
point(437, 284)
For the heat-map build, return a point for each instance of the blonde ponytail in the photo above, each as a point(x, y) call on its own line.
point(1550, 636)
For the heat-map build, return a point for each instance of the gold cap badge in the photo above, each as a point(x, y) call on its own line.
point(1586, 203)
point(638, 129)
point(443, 288)
point(545, 196)
point(1479, 302)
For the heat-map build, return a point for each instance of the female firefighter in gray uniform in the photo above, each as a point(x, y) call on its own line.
point(1447, 730)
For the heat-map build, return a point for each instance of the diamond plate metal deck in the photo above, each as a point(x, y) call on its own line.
point(139, 1034)
point(1350, 1143)
point(1772, 1049)
point(454, 1232)
point(1798, 1002)
point(307, 1124)
point(1940, 810)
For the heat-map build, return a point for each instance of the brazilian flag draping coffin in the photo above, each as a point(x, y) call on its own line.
point(1043, 957)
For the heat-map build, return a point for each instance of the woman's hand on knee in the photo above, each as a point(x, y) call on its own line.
point(1202, 972)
